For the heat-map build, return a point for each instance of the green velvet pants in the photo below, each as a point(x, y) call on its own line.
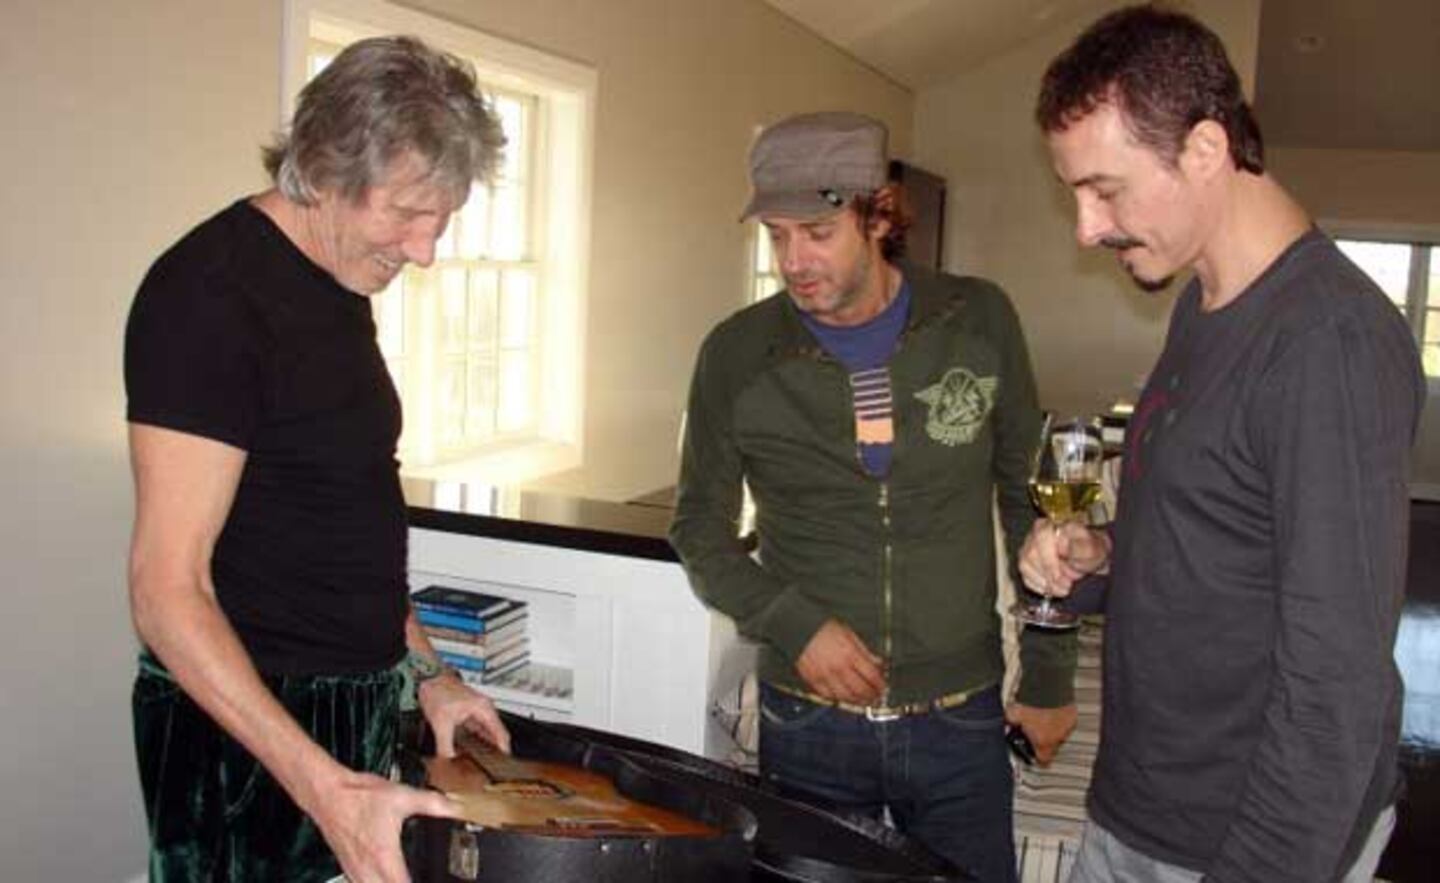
point(215, 814)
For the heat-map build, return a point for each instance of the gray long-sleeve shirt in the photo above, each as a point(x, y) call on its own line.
point(1251, 703)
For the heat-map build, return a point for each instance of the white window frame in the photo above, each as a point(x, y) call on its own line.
point(560, 210)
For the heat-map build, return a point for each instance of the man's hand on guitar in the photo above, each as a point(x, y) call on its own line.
point(447, 703)
point(837, 665)
point(360, 816)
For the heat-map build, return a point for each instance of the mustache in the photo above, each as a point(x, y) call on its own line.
point(1119, 243)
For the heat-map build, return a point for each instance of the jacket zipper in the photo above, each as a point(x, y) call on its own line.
point(887, 593)
point(886, 588)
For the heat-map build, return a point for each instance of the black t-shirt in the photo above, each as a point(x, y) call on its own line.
point(1251, 703)
point(238, 337)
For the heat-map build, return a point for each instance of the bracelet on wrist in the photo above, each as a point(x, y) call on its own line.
point(423, 669)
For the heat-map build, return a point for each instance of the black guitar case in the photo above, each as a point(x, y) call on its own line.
point(795, 841)
point(446, 851)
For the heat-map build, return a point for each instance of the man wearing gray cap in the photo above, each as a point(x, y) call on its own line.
point(875, 411)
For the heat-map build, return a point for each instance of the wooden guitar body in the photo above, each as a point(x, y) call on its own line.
point(564, 808)
point(546, 798)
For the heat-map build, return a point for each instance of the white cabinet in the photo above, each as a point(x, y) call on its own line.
point(641, 656)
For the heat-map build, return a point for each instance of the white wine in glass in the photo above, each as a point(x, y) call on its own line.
point(1064, 485)
point(1064, 500)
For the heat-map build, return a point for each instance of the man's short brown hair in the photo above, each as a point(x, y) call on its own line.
point(1164, 71)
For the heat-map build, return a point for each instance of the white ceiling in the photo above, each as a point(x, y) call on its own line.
point(1331, 73)
point(920, 43)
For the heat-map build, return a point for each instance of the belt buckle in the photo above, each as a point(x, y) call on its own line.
point(879, 714)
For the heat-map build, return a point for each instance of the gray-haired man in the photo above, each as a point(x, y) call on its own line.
point(267, 569)
point(874, 409)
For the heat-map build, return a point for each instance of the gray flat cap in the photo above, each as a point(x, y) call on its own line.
point(812, 165)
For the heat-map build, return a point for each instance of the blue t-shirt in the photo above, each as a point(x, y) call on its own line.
point(865, 352)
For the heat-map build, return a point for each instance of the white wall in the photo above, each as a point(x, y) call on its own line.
point(1092, 334)
point(126, 124)
point(1386, 190)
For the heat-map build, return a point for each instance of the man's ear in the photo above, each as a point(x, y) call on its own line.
point(1207, 149)
point(883, 205)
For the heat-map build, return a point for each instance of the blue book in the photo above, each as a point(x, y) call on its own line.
point(470, 663)
point(481, 678)
point(467, 624)
point(461, 602)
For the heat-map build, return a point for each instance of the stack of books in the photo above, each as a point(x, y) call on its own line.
point(482, 636)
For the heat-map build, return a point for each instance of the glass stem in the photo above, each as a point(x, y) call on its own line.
point(1055, 525)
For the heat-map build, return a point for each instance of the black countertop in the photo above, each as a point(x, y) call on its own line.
point(636, 529)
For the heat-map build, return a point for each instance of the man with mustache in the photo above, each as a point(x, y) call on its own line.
point(874, 409)
point(267, 564)
point(1256, 568)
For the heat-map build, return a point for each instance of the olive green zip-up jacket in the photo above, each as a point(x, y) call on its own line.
point(907, 561)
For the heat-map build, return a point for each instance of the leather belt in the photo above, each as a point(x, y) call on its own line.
point(882, 713)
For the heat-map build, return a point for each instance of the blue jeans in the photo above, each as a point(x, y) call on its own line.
point(944, 776)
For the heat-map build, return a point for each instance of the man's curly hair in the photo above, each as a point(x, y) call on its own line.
point(1164, 71)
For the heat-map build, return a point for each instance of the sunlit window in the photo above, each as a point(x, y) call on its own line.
point(764, 275)
point(1430, 332)
point(484, 344)
point(1409, 274)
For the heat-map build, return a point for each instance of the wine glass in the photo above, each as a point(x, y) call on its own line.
point(1064, 483)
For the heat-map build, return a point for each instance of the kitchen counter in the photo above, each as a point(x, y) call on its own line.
point(636, 530)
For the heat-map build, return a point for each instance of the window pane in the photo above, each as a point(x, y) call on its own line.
point(318, 63)
point(514, 411)
point(452, 310)
point(484, 308)
point(1430, 348)
point(1430, 339)
point(480, 398)
point(389, 311)
point(1432, 289)
point(767, 279)
point(450, 402)
point(482, 360)
point(445, 245)
point(397, 374)
point(763, 254)
point(507, 239)
point(512, 121)
point(1388, 263)
point(471, 225)
point(517, 307)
